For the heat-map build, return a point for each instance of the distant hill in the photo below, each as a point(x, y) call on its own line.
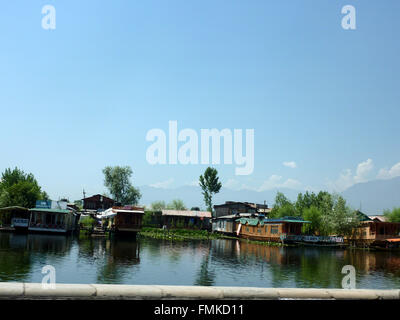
point(374, 196)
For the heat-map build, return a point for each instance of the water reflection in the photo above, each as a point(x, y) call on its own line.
point(206, 263)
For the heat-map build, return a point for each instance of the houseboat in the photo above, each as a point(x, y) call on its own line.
point(52, 217)
point(309, 240)
point(15, 218)
point(186, 219)
point(228, 224)
point(269, 229)
point(125, 220)
point(375, 233)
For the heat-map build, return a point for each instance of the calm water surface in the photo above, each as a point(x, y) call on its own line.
point(212, 263)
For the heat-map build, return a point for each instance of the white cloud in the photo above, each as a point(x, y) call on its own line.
point(363, 170)
point(276, 181)
point(292, 184)
point(194, 183)
point(290, 164)
point(232, 184)
point(389, 173)
point(347, 179)
point(162, 184)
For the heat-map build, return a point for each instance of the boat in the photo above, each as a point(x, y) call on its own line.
point(316, 241)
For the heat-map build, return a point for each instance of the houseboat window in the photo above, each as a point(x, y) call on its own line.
point(274, 229)
point(259, 230)
point(247, 230)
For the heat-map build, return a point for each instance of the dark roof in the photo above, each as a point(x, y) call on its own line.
point(98, 196)
point(363, 216)
point(248, 204)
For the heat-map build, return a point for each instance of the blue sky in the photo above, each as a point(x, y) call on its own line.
point(84, 95)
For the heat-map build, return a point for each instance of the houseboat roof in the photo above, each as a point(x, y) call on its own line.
point(378, 218)
point(98, 196)
point(186, 213)
point(256, 221)
point(111, 212)
point(14, 208)
point(51, 210)
point(288, 219)
point(362, 216)
point(237, 216)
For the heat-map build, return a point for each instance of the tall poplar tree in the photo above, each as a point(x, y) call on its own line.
point(210, 185)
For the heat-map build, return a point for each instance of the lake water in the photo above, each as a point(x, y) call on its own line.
point(210, 263)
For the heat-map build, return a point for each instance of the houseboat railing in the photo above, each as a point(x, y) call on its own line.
point(305, 238)
point(47, 226)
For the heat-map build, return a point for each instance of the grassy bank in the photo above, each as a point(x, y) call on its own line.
point(187, 234)
point(179, 234)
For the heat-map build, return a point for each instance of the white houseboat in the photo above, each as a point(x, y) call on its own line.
point(52, 216)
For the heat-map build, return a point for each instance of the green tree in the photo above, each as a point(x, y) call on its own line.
point(18, 188)
point(117, 180)
point(158, 205)
point(210, 185)
point(176, 204)
point(393, 215)
point(314, 215)
point(340, 220)
point(283, 207)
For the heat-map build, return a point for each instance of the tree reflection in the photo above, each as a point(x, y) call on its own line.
point(120, 256)
point(204, 276)
point(15, 260)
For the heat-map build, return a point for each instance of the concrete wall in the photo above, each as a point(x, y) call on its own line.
point(14, 290)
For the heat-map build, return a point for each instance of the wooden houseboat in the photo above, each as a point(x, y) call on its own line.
point(187, 219)
point(269, 229)
point(123, 220)
point(372, 233)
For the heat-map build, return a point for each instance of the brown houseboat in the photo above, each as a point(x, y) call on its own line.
point(123, 220)
point(269, 229)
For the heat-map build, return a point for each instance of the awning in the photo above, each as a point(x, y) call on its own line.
point(393, 240)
